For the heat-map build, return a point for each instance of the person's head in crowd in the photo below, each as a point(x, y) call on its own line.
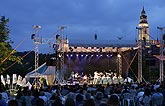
point(99, 95)
point(36, 94)
point(12, 103)
point(0, 96)
point(87, 96)
point(89, 102)
point(103, 104)
point(69, 102)
point(79, 98)
point(147, 92)
point(113, 101)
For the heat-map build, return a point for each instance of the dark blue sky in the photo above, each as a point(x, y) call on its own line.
point(83, 18)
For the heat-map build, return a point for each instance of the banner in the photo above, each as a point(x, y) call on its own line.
point(8, 80)
point(23, 82)
point(29, 85)
point(14, 78)
point(3, 80)
point(19, 81)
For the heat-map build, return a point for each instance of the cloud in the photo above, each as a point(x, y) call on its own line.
point(83, 18)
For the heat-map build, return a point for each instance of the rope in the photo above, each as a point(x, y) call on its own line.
point(132, 60)
point(130, 67)
point(13, 50)
point(15, 62)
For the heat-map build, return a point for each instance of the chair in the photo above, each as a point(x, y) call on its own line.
point(128, 100)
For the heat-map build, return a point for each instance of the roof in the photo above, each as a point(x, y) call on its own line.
point(102, 43)
point(42, 71)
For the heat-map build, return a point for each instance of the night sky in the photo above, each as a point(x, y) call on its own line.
point(110, 19)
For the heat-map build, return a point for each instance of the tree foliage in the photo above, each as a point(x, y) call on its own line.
point(6, 51)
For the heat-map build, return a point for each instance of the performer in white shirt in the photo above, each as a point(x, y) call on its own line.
point(95, 77)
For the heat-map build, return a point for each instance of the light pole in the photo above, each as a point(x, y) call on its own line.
point(35, 37)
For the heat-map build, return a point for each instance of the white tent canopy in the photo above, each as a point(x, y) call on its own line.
point(43, 71)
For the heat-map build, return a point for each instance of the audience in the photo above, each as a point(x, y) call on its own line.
point(84, 95)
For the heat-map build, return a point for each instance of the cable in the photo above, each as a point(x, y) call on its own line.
point(13, 50)
point(130, 65)
point(15, 62)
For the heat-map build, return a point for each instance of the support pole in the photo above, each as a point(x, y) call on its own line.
point(140, 54)
point(36, 42)
point(161, 66)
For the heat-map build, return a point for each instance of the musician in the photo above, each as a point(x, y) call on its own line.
point(72, 77)
point(76, 75)
point(95, 77)
point(85, 78)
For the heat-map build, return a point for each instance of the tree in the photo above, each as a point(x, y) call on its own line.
point(6, 51)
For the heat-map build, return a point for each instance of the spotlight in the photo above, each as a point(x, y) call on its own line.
point(101, 55)
point(71, 55)
point(70, 48)
point(92, 55)
point(97, 55)
point(77, 55)
point(86, 55)
point(82, 55)
point(67, 55)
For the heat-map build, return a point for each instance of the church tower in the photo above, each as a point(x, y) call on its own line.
point(143, 23)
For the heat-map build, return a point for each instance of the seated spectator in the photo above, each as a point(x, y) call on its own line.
point(113, 100)
point(99, 96)
point(146, 100)
point(42, 96)
point(36, 101)
point(4, 95)
point(157, 98)
point(12, 103)
point(87, 96)
point(70, 102)
point(57, 102)
point(79, 100)
point(2, 102)
point(89, 102)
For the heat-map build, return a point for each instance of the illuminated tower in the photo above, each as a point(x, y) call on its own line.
point(143, 23)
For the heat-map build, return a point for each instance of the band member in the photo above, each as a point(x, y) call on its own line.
point(95, 77)
point(85, 78)
point(72, 78)
point(76, 75)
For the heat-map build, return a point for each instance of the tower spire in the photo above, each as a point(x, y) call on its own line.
point(143, 11)
point(143, 23)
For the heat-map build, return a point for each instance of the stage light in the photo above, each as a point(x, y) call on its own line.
point(82, 55)
point(92, 55)
point(70, 48)
point(71, 55)
point(101, 55)
point(59, 55)
point(97, 55)
point(77, 55)
point(119, 55)
point(86, 55)
point(67, 55)
point(107, 55)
